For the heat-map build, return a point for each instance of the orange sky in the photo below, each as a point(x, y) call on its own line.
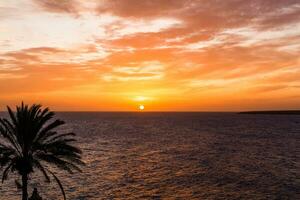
point(169, 55)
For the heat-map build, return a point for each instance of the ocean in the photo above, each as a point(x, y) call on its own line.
point(178, 156)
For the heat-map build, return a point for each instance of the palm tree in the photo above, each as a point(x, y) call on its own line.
point(29, 141)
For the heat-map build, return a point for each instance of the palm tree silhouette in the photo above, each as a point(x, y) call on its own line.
point(29, 141)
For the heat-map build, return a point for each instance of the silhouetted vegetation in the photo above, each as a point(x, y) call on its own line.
point(29, 141)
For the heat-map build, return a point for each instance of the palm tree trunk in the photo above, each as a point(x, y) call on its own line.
point(24, 187)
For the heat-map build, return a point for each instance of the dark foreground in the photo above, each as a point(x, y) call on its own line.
point(273, 112)
point(181, 156)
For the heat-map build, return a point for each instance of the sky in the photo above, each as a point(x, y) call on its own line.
point(168, 55)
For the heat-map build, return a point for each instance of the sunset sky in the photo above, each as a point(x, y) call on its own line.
point(168, 55)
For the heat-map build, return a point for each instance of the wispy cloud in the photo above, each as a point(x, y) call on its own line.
point(150, 70)
point(60, 6)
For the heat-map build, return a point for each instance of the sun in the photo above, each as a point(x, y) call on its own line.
point(141, 107)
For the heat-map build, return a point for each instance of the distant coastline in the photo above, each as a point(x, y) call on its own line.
point(273, 112)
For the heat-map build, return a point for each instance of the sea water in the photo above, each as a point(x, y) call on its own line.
point(178, 156)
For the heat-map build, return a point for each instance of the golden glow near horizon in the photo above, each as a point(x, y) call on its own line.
point(164, 54)
point(141, 107)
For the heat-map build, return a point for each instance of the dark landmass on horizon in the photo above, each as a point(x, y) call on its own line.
point(273, 112)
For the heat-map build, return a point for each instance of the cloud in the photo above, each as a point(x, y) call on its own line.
point(129, 27)
point(141, 9)
point(22, 56)
point(268, 88)
point(9, 76)
point(204, 44)
point(281, 16)
point(59, 6)
point(205, 14)
point(150, 70)
point(250, 36)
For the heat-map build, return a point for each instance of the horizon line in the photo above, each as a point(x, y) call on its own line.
point(170, 111)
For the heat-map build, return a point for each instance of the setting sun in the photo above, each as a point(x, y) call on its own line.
point(141, 107)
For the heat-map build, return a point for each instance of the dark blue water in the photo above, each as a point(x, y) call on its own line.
point(180, 156)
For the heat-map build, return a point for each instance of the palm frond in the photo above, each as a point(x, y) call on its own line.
point(12, 116)
point(49, 127)
point(60, 136)
point(42, 169)
point(9, 136)
point(59, 183)
point(6, 154)
point(6, 171)
point(59, 163)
